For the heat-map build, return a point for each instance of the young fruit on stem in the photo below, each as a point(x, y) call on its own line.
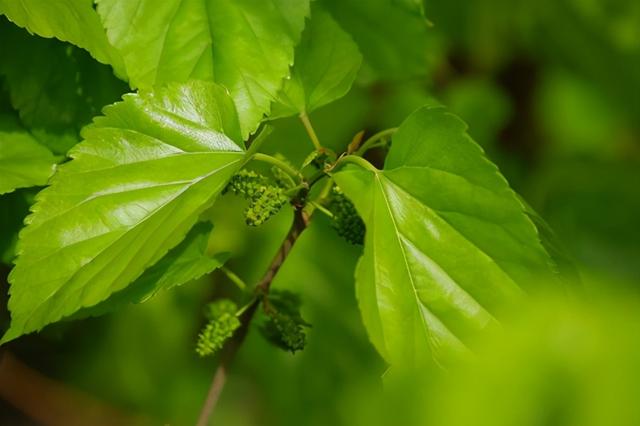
point(222, 324)
point(346, 221)
point(284, 326)
point(265, 198)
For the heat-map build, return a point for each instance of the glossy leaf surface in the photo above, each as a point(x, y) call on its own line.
point(449, 248)
point(326, 63)
point(245, 45)
point(133, 189)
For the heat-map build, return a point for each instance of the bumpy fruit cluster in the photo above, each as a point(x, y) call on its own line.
point(265, 199)
point(346, 221)
point(283, 331)
point(220, 307)
point(221, 326)
point(285, 327)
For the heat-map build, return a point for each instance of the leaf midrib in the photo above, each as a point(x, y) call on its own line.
point(397, 233)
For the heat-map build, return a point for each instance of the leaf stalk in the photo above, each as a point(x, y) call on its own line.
point(310, 131)
point(371, 142)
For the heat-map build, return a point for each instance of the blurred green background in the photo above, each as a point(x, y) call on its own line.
point(551, 90)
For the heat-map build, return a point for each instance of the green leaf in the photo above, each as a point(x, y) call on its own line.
point(134, 188)
point(75, 21)
point(23, 161)
point(448, 248)
point(245, 45)
point(392, 38)
point(326, 63)
point(62, 90)
point(186, 262)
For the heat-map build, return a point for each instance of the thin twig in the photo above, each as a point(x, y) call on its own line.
point(354, 159)
point(300, 223)
point(282, 165)
point(310, 131)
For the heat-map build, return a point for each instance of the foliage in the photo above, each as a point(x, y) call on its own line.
point(137, 139)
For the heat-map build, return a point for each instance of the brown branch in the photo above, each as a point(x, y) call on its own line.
point(300, 223)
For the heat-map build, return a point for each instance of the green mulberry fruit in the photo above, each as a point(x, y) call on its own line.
point(220, 307)
point(214, 335)
point(284, 331)
point(346, 220)
point(265, 199)
point(269, 202)
point(285, 327)
point(220, 328)
point(246, 183)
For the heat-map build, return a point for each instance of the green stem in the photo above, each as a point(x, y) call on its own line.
point(369, 143)
point(321, 209)
point(246, 307)
point(312, 205)
point(312, 133)
point(316, 177)
point(282, 165)
point(234, 278)
point(326, 190)
point(354, 159)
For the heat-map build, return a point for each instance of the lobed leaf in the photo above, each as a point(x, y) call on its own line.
point(134, 188)
point(449, 248)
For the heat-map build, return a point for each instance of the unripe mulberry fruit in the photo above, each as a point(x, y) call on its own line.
point(214, 335)
point(346, 220)
point(266, 204)
point(265, 199)
point(284, 331)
